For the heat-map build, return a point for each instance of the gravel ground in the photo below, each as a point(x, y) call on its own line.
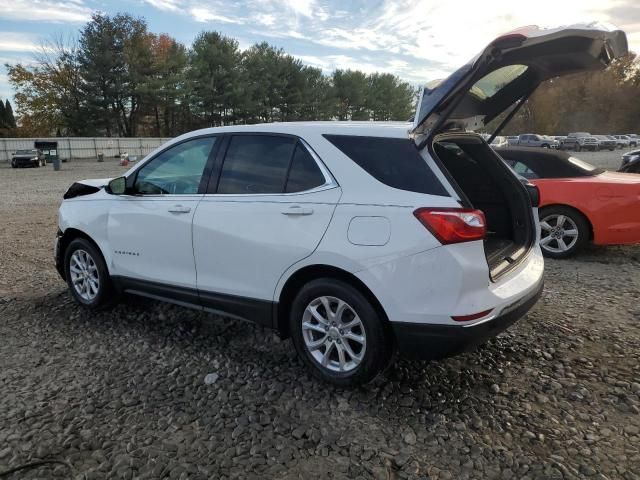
point(122, 394)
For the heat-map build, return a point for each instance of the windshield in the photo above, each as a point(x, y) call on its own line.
point(25, 152)
point(488, 85)
point(582, 164)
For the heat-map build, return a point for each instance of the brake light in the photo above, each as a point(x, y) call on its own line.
point(453, 225)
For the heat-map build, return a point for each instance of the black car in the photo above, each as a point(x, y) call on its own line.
point(28, 158)
point(630, 162)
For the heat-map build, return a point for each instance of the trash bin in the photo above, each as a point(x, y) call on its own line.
point(101, 157)
point(56, 163)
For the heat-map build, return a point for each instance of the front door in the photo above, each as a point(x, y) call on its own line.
point(269, 206)
point(150, 230)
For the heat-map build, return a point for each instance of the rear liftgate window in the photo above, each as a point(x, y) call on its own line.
point(392, 161)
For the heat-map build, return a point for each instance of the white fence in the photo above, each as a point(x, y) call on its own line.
point(85, 147)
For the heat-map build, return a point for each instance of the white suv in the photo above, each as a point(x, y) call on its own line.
point(354, 239)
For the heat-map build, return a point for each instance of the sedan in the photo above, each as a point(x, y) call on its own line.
point(579, 203)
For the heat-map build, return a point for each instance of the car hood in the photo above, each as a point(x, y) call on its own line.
point(508, 70)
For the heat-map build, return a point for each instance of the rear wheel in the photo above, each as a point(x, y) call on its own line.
point(563, 231)
point(87, 275)
point(338, 334)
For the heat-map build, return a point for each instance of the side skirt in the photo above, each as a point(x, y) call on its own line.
point(243, 308)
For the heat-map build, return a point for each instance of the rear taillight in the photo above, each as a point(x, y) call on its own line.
point(453, 225)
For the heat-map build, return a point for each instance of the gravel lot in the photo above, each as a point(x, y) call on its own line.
point(122, 394)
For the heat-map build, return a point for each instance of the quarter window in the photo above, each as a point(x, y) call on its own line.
point(176, 171)
point(304, 173)
point(256, 164)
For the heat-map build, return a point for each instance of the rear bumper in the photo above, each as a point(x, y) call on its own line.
point(432, 342)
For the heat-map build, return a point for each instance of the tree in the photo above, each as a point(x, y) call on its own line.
point(350, 88)
point(115, 59)
point(389, 98)
point(9, 119)
point(214, 78)
point(3, 116)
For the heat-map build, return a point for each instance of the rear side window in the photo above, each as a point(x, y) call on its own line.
point(304, 173)
point(392, 161)
point(256, 164)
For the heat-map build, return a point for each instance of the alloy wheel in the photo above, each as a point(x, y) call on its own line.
point(84, 275)
point(559, 233)
point(333, 334)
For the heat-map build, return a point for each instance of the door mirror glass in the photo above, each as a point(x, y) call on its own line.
point(118, 186)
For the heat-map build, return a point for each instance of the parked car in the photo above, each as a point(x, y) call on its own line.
point(630, 162)
point(579, 202)
point(512, 140)
point(339, 235)
point(623, 141)
point(584, 141)
point(499, 142)
point(533, 140)
point(606, 143)
point(634, 140)
point(28, 158)
point(567, 143)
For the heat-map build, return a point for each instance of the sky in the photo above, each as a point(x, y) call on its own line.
point(419, 40)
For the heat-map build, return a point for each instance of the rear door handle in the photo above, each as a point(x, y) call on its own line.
point(179, 209)
point(297, 210)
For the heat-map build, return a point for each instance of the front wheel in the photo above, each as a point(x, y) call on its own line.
point(87, 275)
point(563, 231)
point(338, 333)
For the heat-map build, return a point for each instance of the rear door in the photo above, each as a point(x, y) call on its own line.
point(508, 70)
point(268, 205)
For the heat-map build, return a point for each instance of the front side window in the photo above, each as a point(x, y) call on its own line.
point(256, 164)
point(176, 171)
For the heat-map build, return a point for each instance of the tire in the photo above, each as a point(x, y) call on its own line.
point(370, 357)
point(560, 243)
point(578, 147)
point(544, 145)
point(82, 251)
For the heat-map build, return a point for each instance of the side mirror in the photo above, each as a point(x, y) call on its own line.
point(117, 186)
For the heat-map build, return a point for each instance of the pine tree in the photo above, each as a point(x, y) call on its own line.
point(3, 116)
point(9, 119)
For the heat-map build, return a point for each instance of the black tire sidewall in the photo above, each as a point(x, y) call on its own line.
point(105, 290)
point(580, 221)
point(378, 350)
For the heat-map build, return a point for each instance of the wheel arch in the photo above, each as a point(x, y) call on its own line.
point(311, 272)
point(571, 207)
point(69, 235)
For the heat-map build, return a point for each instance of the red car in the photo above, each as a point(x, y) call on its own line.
point(579, 202)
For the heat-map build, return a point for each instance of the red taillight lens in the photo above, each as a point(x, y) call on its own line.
point(453, 225)
point(473, 316)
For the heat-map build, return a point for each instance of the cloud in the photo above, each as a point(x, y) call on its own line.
point(166, 5)
point(20, 42)
point(205, 15)
point(45, 11)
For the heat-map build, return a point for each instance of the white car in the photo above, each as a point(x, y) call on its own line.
point(354, 239)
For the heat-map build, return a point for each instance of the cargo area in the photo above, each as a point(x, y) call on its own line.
point(483, 181)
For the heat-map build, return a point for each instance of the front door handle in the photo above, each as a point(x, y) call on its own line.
point(179, 209)
point(297, 210)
